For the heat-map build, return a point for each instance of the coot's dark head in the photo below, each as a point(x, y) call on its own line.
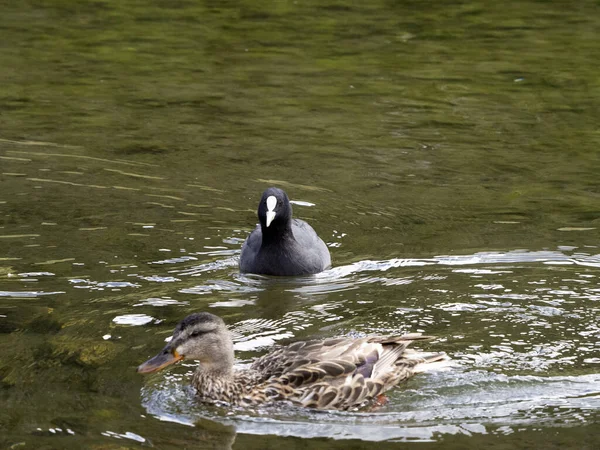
point(274, 209)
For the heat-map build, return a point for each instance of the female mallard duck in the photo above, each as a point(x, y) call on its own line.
point(337, 373)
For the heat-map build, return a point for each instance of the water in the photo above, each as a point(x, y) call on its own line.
point(447, 154)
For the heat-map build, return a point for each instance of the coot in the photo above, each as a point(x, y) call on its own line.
point(280, 245)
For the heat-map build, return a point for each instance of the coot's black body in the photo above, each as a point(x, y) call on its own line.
point(281, 245)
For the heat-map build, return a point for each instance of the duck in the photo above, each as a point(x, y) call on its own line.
point(339, 373)
point(281, 245)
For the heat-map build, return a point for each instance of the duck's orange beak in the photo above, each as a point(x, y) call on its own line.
point(160, 361)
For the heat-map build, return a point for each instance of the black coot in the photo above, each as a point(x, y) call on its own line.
point(281, 245)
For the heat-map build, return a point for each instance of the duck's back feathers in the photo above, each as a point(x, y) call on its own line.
point(339, 373)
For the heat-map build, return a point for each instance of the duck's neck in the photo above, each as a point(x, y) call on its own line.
point(216, 373)
point(220, 363)
point(215, 384)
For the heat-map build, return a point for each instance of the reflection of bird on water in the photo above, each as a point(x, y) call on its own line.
point(214, 435)
point(280, 245)
point(335, 373)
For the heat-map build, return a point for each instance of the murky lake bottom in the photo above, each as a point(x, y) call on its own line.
point(447, 155)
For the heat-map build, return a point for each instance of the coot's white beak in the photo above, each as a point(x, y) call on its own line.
point(270, 217)
point(271, 204)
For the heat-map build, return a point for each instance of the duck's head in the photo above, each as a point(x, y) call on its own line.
point(274, 209)
point(200, 336)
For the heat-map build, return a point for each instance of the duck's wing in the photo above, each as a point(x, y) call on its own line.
point(331, 384)
point(302, 353)
point(363, 353)
point(338, 373)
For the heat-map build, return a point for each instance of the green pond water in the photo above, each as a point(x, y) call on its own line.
point(447, 152)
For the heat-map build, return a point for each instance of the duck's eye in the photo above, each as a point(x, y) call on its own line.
point(196, 334)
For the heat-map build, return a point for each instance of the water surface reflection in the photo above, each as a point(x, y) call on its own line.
point(510, 337)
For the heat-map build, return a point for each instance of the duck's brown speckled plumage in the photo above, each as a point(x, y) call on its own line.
point(337, 373)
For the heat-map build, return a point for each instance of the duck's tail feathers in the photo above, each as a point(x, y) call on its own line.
point(430, 361)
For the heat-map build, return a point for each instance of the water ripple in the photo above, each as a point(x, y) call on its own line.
point(510, 321)
point(27, 294)
point(444, 402)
